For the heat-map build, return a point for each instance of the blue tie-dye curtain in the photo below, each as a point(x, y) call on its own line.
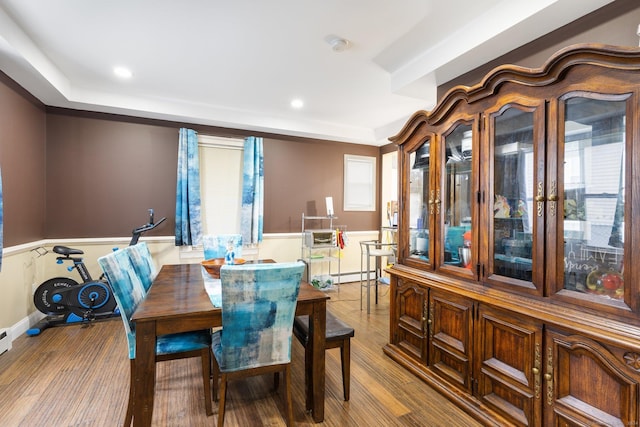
point(1, 223)
point(188, 219)
point(252, 191)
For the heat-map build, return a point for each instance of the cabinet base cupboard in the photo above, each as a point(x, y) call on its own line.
point(516, 291)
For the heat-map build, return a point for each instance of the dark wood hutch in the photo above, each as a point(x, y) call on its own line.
point(516, 291)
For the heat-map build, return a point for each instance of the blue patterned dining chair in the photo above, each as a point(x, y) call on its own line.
point(217, 245)
point(142, 261)
point(129, 292)
point(258, 308)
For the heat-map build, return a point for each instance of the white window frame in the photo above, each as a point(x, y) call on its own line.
point(359, 183)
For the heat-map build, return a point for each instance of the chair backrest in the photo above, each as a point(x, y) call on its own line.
point(127, 290)
point(142, 261)
point(217, 245)
point(258, 308)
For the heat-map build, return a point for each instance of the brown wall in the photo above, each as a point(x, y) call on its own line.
point(614, 24)
point(298, 177)
point(103, 174)
point(105, 171)
point(22, 163)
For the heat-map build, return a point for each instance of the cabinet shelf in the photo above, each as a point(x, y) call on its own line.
point(329, 218)
point(313, 258)
point(514, 259)
point(320, 247)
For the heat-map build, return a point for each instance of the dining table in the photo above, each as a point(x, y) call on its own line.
point(182, 298)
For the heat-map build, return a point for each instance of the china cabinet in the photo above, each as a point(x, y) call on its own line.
point(515, 292)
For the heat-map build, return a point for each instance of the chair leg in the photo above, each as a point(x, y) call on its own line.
point(378, 274)
point(129, 416)
point(288, 402)
point(216, 378)
point(361, 278)
point(276, 381)
point(369, 283)
point(223, 399)
point(206, 376)
point(345, 353)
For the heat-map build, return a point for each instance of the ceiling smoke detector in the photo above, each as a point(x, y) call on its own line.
point(338, 44)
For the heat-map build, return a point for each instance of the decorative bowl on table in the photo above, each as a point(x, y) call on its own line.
point(213, 265)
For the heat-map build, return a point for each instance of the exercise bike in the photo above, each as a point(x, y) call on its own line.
point(66, 302)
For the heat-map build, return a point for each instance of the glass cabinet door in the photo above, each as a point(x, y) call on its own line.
point(456, 198)
point(592, 202)
point(420, 209)
point(512, 209)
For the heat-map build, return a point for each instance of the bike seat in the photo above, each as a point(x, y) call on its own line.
point(63, 250)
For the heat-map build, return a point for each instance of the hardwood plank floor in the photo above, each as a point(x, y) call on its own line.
point(79, 376)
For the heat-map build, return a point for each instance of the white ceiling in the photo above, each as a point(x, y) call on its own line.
point(239, 63)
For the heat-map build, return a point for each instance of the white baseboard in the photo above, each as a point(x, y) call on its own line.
point(349, 277)
point(22, 326)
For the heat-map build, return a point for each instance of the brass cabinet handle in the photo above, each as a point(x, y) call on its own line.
point(431, 201)
point(540, 199)
point(437, 201)
point(536, 371)
point(553, 198)
point(431, 309)
point(549, 376)
point(425, 318)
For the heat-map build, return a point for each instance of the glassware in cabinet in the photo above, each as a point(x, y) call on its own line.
point(458, 207)
point(591, 198)
point(422, 204)
point(515, 179)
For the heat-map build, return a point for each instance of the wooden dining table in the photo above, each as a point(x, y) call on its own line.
point(178, 302)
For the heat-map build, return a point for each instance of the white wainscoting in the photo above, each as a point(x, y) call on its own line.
point(24, 267)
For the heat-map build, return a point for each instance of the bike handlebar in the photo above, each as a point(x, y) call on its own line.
point(147, 227)
point(137, 232)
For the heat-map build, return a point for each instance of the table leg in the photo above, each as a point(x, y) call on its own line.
point(317, 332)
point(145, 373)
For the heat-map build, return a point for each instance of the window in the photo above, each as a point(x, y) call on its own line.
point(220, 183)
point(359, 183)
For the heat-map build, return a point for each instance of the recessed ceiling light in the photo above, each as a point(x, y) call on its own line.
point(297, 103)
point(122, 72)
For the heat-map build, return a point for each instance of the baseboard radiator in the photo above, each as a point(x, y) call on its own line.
point(5, 341)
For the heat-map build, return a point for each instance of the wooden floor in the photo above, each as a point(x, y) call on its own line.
point(76, 376)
